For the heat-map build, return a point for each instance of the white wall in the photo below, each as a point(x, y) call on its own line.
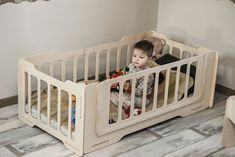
point(30, 28)
point(209, 23)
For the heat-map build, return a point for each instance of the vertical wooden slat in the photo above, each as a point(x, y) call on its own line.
point(29, 94)
point(86, 67)
point(186, 81)
point(75, 68)
point(181, 54)
point(48, 104)
point(177, 84)
point(108, 63)
point(132, 97)
point(120, 102)
point(118, 58)
point(39, 98)
point(155, 91)
point(59, 110)
point(144, 93)
point(171, 50)
point(70, 116)
point(128, 57)
point(166, 87)
point(97, 66)
point(77, 116)
point(63, 70)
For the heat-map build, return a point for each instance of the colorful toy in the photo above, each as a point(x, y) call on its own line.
point(117, 74)
point(73, 109)
point(115, 87)
point(73, 114)
point(73, 99)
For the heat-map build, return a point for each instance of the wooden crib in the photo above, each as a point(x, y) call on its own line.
point(61, 92)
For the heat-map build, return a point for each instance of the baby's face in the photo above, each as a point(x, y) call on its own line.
point(139, 58)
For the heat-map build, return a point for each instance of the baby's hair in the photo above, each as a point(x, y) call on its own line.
point(146, 46)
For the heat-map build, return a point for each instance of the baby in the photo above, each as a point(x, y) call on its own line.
point(142, 53)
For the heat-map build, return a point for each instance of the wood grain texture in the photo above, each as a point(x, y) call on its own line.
point(227, 152)
point(212, 126)
point(192, 136)
point(165, 145)
point(8, 112)
point(201, 148)
point(4, 152)
point(126, 144)
point(57, 150)
point(178, 124)
point(18, 134)
point(34, 143)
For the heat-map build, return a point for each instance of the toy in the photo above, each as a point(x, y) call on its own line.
point(127, 86)
point(73, 108)
point(73, 114)
point(73, 99)
point(117, 74)
point(158, 46)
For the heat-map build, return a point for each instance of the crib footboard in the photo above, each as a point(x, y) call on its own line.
point(55, 106)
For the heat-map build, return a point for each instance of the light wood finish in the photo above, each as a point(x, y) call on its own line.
point(92, 129)
point(189, 136)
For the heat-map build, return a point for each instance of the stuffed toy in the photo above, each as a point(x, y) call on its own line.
point(158, 46)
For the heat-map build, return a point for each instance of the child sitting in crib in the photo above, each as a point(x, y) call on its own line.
point(142, 53)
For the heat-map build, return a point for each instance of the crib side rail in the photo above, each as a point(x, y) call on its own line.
point(90, 63)
point(109, 57)
point(113, 56)
point(103, 105)
point(27, 86)
point(54, 56)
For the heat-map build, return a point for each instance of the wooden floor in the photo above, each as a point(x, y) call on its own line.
point(197, 135)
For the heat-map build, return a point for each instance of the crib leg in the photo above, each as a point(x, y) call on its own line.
point(28, 122)
point(72, 148)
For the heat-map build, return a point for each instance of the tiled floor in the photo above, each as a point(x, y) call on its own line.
point(197, 135)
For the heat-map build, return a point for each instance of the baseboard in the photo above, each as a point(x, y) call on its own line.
point(224, 90)
point(8, 101)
